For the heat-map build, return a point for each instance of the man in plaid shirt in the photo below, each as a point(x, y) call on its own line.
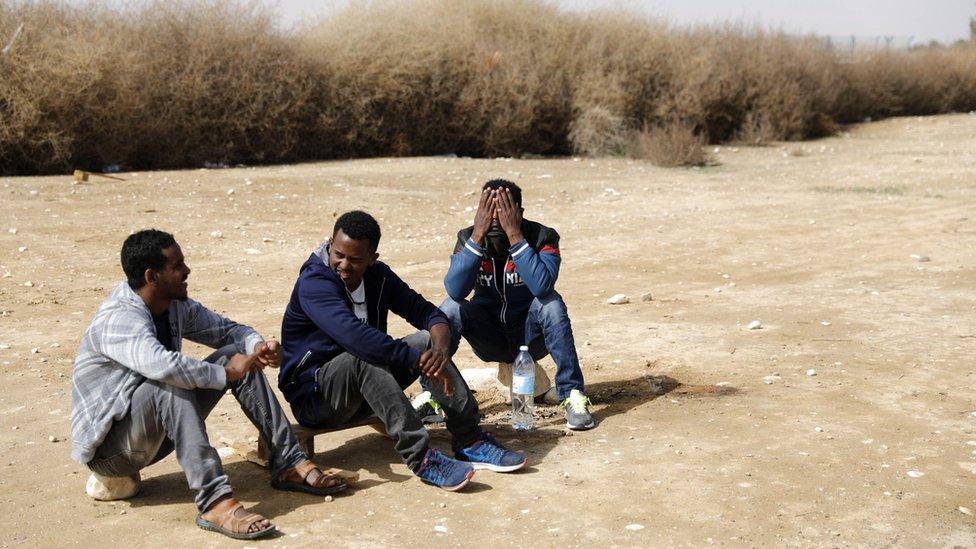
point(136, 397)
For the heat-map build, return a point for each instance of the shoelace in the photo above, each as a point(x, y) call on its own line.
point(438, 466)
point(577, 402)
point(491, 452)
point(494, 450)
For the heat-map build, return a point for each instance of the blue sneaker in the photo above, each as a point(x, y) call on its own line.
point(444, 472)
point(488, 453)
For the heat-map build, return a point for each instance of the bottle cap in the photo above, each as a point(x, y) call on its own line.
point(523, 348)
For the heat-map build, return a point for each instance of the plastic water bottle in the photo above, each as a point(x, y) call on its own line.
point(523, 390)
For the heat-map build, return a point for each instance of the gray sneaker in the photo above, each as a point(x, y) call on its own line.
point(578, 416)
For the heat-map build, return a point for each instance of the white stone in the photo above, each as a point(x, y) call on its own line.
point(440, 529)
point(824, 323)
point(252, 251)
point(634, 527)
point(916, 474)
point(769, 380)
point(216, 234)
point(618, 299)
point(111, 488)
point(920, 258)
point(328, 499)
point(12, 230)
point(35, 350)
point(22, 249)
point(717, 290)
point(225, 452)
point(29, 284)
point(811, 372)
point(230, 191)
point(965, 510)
point(479, 378)
point(4, 346)
point(754, 325)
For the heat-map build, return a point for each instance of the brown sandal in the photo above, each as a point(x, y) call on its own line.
point(235, 523)
point(314, 481)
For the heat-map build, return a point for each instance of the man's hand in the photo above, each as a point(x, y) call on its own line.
point(484, 215)
point(435, 362)
point(509, 215)
point(240, 365)
point(269, 353)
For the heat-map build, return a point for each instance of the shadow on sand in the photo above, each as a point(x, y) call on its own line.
point(374, 452)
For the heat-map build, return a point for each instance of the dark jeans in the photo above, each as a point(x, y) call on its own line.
point(546, 328)
point(164, 417)
point(352, 390)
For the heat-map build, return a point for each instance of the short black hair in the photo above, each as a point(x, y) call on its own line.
point(505, 184)
point(359, 225)
point(144, 250)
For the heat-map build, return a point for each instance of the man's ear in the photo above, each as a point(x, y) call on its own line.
point(150, 276)
point(376, 255)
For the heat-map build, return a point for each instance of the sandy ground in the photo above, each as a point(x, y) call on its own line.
point(695, 444)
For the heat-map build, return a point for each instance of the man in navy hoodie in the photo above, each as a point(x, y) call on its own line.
point(339, 364)
point(512, 264)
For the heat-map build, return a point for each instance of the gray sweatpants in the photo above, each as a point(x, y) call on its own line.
point(350, 390)
point(164, 417)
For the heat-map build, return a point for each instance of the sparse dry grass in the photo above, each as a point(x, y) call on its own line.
point(671, 144)
point(181, 83)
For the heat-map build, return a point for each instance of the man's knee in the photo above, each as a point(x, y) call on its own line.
point(550, 307)
point(222, 355)
point(419, 340)
point(451, 308)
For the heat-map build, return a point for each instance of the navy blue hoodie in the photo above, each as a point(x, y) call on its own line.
point(507, 286)
point(319, 324)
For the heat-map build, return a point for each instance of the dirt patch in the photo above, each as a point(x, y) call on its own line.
point(692, 444)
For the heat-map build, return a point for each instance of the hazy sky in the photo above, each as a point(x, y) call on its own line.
point(943, 20)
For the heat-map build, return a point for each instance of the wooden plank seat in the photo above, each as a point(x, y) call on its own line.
point(306, 436)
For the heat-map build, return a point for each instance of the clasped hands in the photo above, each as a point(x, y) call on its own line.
point(266, 353)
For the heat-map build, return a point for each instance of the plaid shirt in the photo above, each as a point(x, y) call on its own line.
point(119, 351)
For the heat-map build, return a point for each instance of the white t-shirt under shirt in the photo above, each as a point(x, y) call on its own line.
point(358, 297)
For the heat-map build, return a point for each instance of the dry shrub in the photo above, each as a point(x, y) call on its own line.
point(422, 77)
point(669, 145)
point(160, 84)
point(598, 132)
point(179, 83)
